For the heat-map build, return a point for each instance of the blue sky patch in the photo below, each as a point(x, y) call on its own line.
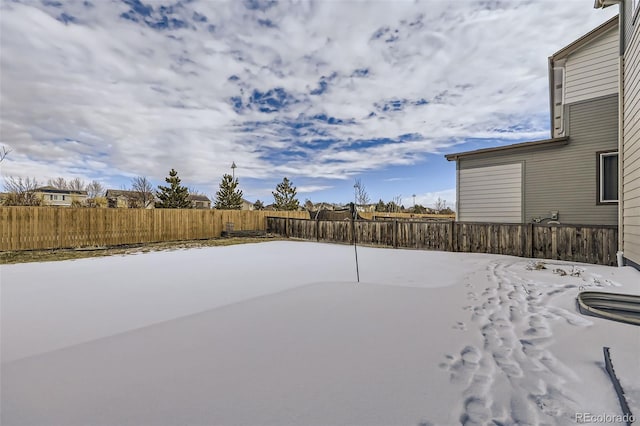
point(66, 18)
point(268, 23)
point(51, 3)
point(261, 5)
point(197, 17)
point(360, 72)
point(272, 100)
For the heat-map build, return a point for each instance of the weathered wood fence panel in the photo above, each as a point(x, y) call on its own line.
point(35, 228)
point(338, 231)
point(578, 243)
point(375, 233)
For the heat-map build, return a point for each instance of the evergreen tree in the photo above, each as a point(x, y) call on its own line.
point(285, 196)
point(258, 205)
point(392, 207)
point(173, 196)
point(381, 207)
point(228, 197)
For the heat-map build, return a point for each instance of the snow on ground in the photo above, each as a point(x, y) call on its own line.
point(279, 333)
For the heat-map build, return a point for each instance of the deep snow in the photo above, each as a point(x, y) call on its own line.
point(279, 333)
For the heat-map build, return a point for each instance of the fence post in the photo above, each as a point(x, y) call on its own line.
point(450, 242)
point(317, 230)
point(286, 227)
point(454, 236)
point(530, 232)
point(554, 243)
point(395, 234)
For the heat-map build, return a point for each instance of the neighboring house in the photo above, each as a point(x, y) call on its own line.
point(60, 197)
point(122, 199)
point(323, 206)
point(246, 205)
point(200, 201)
point(572, 177)
point(629, 143)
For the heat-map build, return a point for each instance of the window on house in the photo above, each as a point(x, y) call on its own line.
point(608, 177)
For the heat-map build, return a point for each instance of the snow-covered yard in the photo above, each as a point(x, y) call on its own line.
point(279, 333)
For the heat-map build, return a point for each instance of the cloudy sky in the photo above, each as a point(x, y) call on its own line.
point(322, 92)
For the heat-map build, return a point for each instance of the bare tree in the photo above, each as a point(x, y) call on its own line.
point(143, 190)
point(58, 183)
point(21, 192)
point(95, 189)
point(397, 203)
point(76, 184)
point(4, 152)
point(362, 197)
point(440, 205)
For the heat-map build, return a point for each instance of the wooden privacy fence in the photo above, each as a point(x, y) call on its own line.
point(578, 243)
point(34, 228)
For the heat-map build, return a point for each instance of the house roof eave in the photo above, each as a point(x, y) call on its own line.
point(517, 146)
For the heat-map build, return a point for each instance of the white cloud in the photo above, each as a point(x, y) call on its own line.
point(309, 189)
point(105, 96)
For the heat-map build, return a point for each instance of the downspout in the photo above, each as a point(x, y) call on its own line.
point(457, 219)
point(621, 36)
point(620, 153)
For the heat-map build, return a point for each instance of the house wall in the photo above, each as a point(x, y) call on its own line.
point(491, 193)
point(563, 178)
point(631, 148)
point(592, 71)
point(63, 200)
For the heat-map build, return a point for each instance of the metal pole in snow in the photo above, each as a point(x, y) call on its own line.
point(353, 230)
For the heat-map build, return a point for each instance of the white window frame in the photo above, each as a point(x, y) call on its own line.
point(601, 157)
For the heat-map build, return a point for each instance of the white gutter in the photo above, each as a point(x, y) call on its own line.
point(620, 153)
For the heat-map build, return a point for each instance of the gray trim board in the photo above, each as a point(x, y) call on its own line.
point(517, 146)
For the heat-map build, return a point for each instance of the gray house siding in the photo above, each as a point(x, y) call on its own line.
point(564, 178)
point(592, 71)
point(490, 193)
point(631, 148)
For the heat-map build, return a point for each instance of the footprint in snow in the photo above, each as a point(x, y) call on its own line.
point(460, 326)
point(463, 369)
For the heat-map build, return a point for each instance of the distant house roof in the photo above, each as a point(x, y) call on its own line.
point(516, 146)
point(118, 193)
point(54, 190)
point(194, 197)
